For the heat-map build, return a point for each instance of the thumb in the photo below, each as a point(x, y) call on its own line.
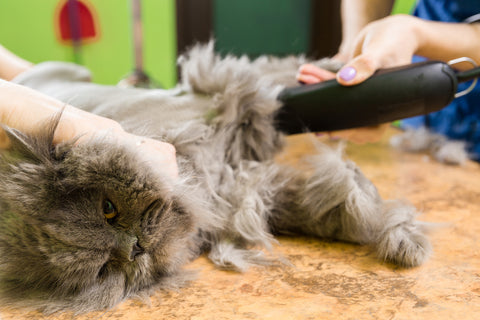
point(357, 70)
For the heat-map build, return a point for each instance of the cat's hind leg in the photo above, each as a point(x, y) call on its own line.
point(337, 201)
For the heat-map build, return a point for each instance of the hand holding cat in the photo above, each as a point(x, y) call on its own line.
point(159, 155)
point(26, 110)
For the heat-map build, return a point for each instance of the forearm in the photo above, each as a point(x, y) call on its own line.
point(25, 109)
point(356, 14)
point(11, 65)
point(447, 41)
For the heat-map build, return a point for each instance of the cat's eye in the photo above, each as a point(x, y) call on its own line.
point(109, 210)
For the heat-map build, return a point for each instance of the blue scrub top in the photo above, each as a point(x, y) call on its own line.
point(461, 119)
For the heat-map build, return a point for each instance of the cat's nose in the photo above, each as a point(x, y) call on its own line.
point(136, 250)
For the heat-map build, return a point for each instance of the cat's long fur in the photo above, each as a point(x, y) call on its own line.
point(57, 249)
point(440, 147)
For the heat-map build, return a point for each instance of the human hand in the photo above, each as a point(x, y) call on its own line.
point(161, 156)
point(27, 110)
point(83, 126)
point(385, 43)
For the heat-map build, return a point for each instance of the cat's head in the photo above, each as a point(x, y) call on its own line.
point(84, 226)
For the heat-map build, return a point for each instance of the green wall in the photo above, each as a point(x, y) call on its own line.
point(27, 29)
point(403, 6)
point(255, 27)
point(277, 27)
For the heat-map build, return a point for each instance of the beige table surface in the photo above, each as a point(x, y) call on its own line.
point(330, 280)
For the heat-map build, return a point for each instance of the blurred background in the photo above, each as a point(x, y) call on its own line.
point(114, 37)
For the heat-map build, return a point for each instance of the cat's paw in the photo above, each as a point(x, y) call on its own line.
point(401, 238)
point(405, 245)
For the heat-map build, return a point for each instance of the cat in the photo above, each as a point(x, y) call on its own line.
point(84, 227)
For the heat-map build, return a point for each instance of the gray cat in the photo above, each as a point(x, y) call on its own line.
point(83, 227)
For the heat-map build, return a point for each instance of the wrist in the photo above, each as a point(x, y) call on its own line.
point(421, 34)
point(416, 29)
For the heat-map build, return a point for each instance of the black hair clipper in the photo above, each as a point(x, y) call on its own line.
point(390, 94)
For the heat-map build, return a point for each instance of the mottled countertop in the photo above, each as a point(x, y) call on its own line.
point(332, 280)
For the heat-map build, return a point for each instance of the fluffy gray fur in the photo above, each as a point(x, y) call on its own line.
point(59, 252)
point(441, 148)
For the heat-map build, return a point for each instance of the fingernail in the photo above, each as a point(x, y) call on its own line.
point(347, 73)
point(299, 78)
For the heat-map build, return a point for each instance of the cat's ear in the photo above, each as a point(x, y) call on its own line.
point(37, 146)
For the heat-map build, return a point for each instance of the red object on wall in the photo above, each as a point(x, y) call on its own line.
point(76, 22)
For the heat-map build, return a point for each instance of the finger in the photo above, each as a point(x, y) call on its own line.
point(357, 70)
point(160, 156)
point(168, 148)
point(361, 43)
point(166, 156)
point(308, 79)
point(316, 72)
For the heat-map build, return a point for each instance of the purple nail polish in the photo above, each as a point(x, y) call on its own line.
point(348, 73)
